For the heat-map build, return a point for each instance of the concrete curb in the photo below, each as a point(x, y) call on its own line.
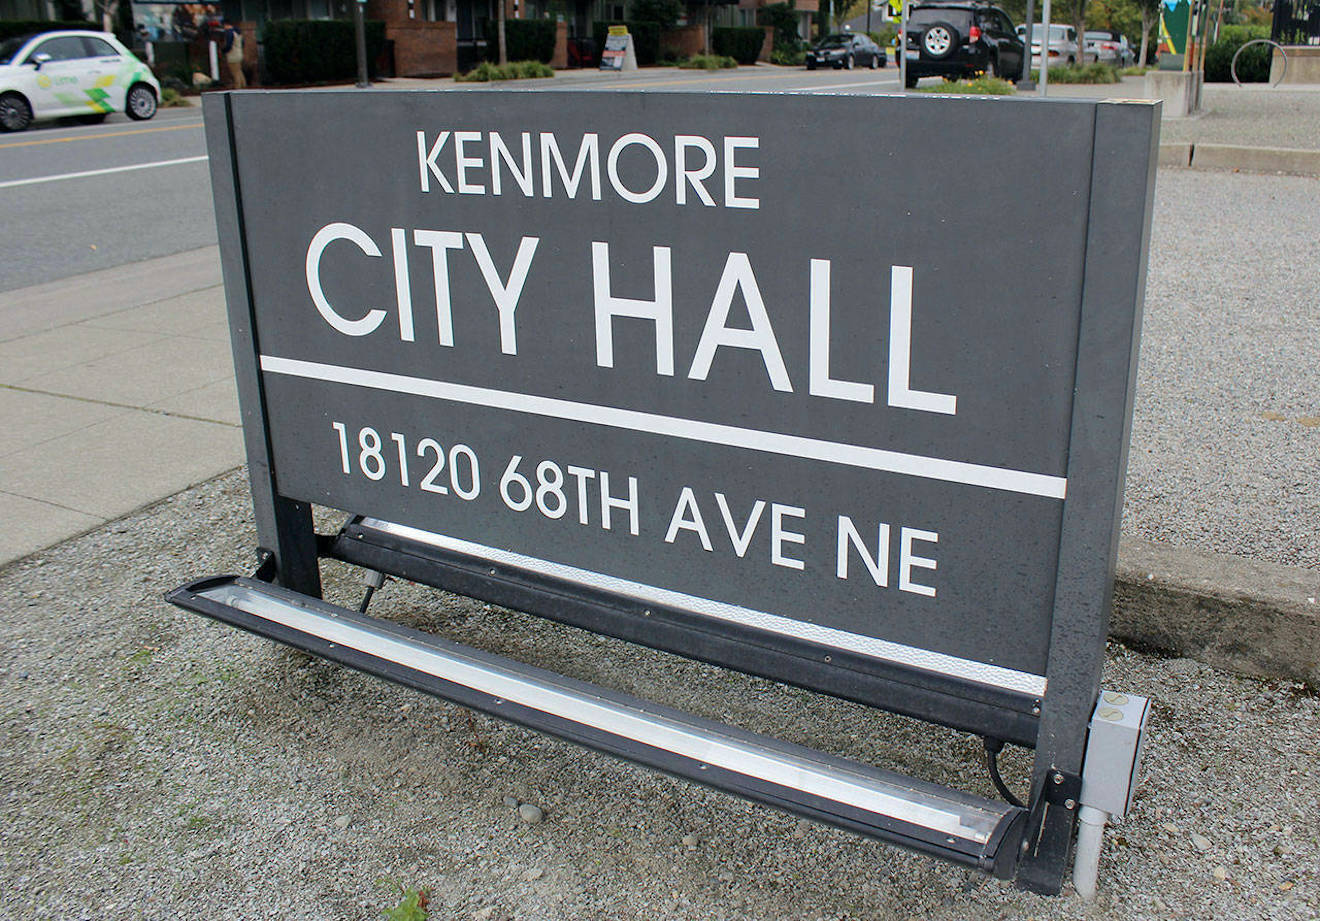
point(1245, 616)
point(1236, 157)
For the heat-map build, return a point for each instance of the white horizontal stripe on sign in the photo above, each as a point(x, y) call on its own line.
point(869, 646)
point(928, 810)
point(931, 468)
point(100, 172)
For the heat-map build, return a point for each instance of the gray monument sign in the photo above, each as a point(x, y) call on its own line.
point(794, 384)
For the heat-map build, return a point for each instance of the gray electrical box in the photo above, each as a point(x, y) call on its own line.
point(1113, 752)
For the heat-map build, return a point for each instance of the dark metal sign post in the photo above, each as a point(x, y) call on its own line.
point(662, 367)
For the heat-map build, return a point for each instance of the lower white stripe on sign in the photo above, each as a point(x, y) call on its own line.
point(932, 468)
point(869, 646)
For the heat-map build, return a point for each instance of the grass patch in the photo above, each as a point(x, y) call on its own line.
point(1137, 70)
point(1089, 73)
point(981, 86)
point(514, 70)
point(412, 904)
point(708, 62)
point(171, 98)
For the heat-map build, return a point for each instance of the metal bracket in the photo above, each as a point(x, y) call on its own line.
point(266, 566)
point(1062, 791)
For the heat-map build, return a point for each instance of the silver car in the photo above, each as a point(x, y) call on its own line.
point(1109, 47)
point(1063, 47)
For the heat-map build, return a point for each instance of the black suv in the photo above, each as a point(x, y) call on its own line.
point(953, 40)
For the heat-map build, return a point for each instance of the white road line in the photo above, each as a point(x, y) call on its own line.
point(100, 172)
point(932, 468)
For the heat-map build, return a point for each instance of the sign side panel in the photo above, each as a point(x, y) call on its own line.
point(1123, 189)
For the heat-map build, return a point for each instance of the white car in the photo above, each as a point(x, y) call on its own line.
point(72, 73)
point(1063, 47)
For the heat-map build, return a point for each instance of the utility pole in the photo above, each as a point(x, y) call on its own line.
point(1025, 83)
point(501, 17)
point(360, 31)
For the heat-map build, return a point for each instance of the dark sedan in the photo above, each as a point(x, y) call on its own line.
point(845, 50)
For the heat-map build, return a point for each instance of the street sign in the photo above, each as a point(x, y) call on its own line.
point(680, 369)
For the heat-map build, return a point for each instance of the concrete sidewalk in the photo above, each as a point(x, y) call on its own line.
point(116, 389)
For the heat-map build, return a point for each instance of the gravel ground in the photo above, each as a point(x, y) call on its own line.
point(1225, 452)
point(1255, 116)
point(155, 765)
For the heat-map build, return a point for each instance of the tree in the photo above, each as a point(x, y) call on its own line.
point(665, 12)
point(499, 29)
point(1126, 16)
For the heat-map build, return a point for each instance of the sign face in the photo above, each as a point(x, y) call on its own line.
point(714, 353)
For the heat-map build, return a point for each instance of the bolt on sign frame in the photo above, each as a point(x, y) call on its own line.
point(778, 382)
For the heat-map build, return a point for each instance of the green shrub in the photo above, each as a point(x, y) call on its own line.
point(981, 86)
point(1086, 73)
point(743, 44)
point(788, 57)
point(708, 62)
point(514, 70)
point(171, 98)
point(645, 36)
point(12, 27)
point(885, 37)
point(788, 46)
point(1253, 65)
point(317, 50)
point(524, 39)
point(1136, 70)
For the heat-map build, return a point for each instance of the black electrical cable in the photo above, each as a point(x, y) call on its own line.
point(992, 749)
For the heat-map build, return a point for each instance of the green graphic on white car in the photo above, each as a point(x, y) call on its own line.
point(72, 73)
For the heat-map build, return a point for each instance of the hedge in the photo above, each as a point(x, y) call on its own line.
point(524, 39)
point(317, 50)
point(1254, 64)
point(743, 44)
point(12, 27)
point(645, 35)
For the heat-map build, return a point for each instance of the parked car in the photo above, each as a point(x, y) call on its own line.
point(1063, 48)
point(72, 73)
point(1109, 47)
point(951, 39)
point(846, 50)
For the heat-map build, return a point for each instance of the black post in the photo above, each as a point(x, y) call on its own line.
point(1025, 83)
point(360, 28)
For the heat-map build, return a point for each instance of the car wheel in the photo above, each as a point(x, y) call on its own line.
point(1072, 61)
point(848, 62)
point(141, 103)
point(910, 81)
point(875, 61)
point(15, 112)
point(811, 65)
point(939, 41)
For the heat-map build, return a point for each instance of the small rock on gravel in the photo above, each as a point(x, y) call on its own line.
point(530, 814)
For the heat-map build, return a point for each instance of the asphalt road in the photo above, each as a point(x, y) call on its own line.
point(77, 198)
point(138, 202)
